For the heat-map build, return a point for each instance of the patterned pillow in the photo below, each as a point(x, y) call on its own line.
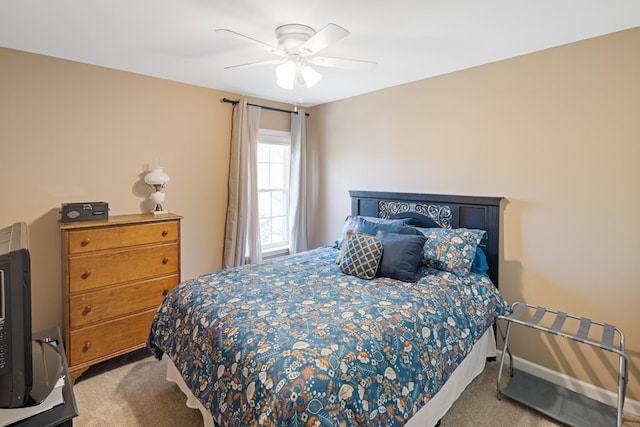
point(450, 249)
point(351, 221)
point(361, 256)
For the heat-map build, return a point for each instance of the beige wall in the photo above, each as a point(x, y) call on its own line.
point(557, 133)
point(72, 132)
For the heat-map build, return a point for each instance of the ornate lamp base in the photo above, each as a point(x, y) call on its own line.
point(158, 199)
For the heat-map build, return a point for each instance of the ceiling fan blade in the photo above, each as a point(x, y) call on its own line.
point(330, 34)
point(273, 49)
point(347, 64)
point(254, 64)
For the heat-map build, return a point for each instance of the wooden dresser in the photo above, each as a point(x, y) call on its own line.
point(116, 272)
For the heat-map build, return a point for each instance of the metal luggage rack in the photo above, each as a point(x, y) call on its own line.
point(553, 400)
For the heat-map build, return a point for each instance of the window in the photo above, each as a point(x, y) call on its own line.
point(273, 188)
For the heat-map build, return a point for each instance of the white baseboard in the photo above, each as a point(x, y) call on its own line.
point(596, 393)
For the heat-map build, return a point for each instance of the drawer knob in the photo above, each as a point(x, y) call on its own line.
point(86, 310)
point(85, 242)
point(165, 292)
point(165, 233)
point(165, 260)
point(86, 274)
point(87, 346)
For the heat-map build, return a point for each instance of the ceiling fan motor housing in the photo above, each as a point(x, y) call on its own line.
point(292, 36)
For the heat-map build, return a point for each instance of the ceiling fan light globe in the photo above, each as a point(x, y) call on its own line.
point(310, 76)
point(286, 71)
point(294, 73)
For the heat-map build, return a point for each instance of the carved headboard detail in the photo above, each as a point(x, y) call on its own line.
point(439, 210)
point(440, 214)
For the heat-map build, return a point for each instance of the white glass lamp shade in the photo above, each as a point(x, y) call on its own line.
point(157, 179)
point(286, 74)
point(310, 76)
point(292, 72)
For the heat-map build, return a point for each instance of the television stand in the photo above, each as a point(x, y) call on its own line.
point(61, 415)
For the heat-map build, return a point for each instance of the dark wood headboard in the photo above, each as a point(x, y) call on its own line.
point(438, 210)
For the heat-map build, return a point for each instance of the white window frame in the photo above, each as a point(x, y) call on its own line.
point(269, 136)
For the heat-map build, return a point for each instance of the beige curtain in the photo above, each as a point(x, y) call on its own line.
point(242, 230)
point(298, 184)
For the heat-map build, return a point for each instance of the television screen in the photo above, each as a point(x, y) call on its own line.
point(16, 371)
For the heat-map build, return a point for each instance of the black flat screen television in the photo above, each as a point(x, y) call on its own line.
point(16, 370)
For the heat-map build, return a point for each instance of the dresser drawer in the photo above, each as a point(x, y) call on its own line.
point(116, 301)
point(110, 337)
point(95, 239)
point(107, 268)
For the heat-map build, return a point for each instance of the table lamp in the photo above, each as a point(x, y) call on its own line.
point(157, 179)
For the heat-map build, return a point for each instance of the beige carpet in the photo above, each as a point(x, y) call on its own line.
point(132, 391)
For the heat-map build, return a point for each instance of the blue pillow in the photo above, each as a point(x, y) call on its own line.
point(350, 222)
point(369, 227)
point(401, 254)
point(479, 264)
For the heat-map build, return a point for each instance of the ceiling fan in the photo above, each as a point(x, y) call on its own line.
point(298, 46)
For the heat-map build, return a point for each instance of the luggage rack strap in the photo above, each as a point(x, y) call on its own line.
point(558, 322)
point(608, 333)
point(607, 336)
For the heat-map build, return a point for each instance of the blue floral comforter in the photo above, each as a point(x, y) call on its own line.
point(294, 342)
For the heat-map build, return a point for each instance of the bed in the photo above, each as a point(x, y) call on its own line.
point(304, 340)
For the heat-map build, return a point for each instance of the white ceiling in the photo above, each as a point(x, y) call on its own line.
point(409, 39)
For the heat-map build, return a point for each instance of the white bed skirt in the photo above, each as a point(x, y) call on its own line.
point(428, 415)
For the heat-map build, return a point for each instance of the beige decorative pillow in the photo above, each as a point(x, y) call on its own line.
point(362, 256)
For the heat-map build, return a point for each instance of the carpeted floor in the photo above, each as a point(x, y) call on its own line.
point(132, 391)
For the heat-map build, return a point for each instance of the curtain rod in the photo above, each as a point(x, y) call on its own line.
point(280, 110)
